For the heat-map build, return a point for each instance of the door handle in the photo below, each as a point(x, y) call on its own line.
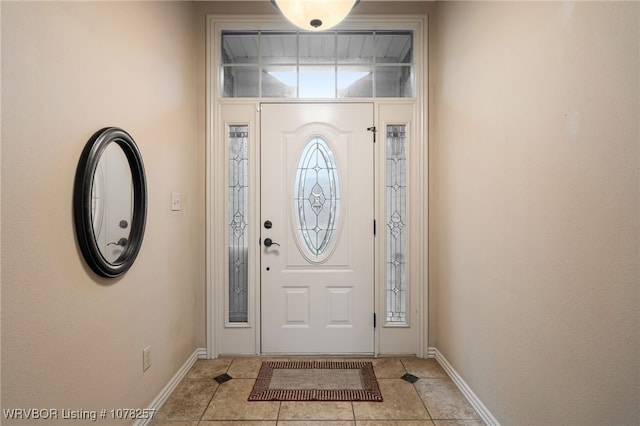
point(121, 242)
point(268, 242)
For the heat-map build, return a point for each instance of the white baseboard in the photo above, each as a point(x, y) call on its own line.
point(473, 399)
point(200, 353)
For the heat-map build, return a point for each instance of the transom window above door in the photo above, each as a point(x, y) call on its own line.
point(300, 65)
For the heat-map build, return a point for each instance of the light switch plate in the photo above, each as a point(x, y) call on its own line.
point(176, 203)
point(146, 358)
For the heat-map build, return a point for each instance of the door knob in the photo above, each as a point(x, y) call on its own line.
point(121, 242)
point(268, 242)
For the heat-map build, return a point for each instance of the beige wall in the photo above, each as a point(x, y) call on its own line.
point(535, 207)
point(71, 339)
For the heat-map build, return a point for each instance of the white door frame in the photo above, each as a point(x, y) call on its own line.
point(219, 112)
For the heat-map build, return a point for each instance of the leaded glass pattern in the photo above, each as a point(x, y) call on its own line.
point(396, 221)
point(237, 214)
point(316, 198)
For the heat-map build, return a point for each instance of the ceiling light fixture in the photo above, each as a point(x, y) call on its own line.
point(315, 15)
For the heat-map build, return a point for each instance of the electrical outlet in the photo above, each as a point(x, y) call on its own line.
point(146, 358)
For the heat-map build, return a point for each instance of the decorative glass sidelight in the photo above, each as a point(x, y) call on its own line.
point(237, 214)
point(396, 221)
point(317, 198)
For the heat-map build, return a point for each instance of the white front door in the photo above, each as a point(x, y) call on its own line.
point(317, 228)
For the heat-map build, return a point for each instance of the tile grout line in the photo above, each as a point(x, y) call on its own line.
point(424, 404)
point(418, 393)
point(214, 393)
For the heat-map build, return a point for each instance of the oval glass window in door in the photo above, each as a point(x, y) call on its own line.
point(317, 199)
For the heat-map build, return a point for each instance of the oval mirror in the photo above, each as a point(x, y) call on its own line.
point(110, 202)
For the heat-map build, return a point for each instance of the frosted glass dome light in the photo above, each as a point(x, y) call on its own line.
point(315, 15)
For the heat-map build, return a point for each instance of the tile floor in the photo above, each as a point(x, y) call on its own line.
point(433, 400)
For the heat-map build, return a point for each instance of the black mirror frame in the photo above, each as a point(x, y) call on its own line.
point(82, 201)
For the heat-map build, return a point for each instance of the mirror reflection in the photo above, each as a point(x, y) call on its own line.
point(112, 203)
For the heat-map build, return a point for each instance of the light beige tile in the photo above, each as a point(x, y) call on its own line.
point(459, 422)
point(237, 423)
point(315, 410)
point(245, 368)
point(394, 423)
point(188, 401)
point(209, 368)
point(248, 368)
point(424, 368)
point(171, 423)
point(444, 400)
point(388, 368)
point(230, 403)
point(316, 423)
point(401, 402)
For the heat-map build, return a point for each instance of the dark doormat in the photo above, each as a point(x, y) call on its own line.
point(316, 381)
